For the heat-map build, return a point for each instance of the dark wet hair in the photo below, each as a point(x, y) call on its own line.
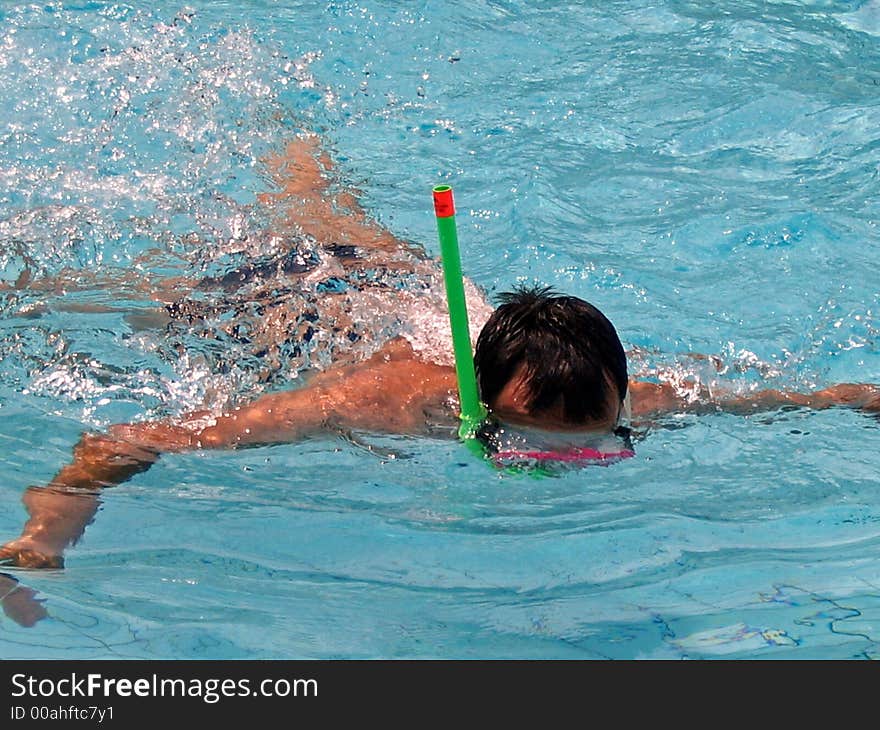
point(571, 352)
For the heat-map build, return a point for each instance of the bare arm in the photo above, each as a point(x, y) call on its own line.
point(387, 393)
point(657, 399)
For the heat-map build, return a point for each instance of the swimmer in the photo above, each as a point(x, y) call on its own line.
point(550, 367)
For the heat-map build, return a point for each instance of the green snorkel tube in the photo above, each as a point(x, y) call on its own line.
point(473, 412)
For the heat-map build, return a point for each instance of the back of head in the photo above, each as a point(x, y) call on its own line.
point(567, 351)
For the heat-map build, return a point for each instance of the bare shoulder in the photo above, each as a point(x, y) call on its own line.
point(651, 399)
point(395, 373)
point(392, 391)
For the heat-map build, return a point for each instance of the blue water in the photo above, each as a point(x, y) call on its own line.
point(706, 174)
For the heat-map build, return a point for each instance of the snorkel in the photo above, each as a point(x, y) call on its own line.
point(503, 446)
point(473, 412)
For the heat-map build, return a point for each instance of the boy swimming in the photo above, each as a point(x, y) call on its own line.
point(550, 368)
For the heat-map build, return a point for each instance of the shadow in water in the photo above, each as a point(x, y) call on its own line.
point(20, 602)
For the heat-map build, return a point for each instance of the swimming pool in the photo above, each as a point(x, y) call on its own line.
point(706, 176)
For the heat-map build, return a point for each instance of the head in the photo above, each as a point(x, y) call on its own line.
point(550, 361)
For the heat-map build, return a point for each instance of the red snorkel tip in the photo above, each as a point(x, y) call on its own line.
point(444, 205)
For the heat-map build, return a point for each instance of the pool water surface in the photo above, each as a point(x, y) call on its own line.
point(705, 174)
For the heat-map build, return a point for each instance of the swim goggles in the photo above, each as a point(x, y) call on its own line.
point(521, 447)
